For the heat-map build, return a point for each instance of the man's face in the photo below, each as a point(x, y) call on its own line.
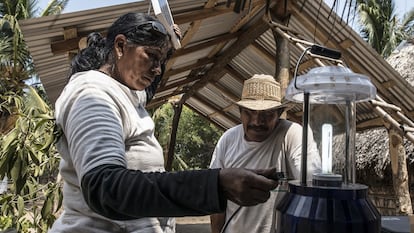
point(258, 125)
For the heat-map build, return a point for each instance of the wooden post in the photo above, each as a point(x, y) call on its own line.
point(171, 145)
point(399, 172)
point(282, 74)
point(281, 13)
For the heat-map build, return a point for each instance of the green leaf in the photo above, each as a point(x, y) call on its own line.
point(19, 175)
point(5, 161)
point(49, 141)
point(33, 156)
point(9, 140)
point(20, 205)
point(36, 171)
point(47, 207)
point(30, 187)
point(15, 170)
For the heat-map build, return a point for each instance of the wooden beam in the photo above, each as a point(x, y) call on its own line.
point(64, 46)
point(199, 63)
point(384, 104)
point(194, 74)
point(256, 8)
point(217, 110)
point(201, 14)
point(389, 119)
point(216, 72)
point(158, 101)
point(388, 84)
point(346, 44)
point(369, 124)
point(177, 84)
point(210, 42)
point(70, 33)
point(281, 10)
point(187, 37)
point(70, 41)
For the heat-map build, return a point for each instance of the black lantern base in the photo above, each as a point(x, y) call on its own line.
point(318, 209)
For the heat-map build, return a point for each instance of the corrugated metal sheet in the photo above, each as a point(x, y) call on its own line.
point(190, 69)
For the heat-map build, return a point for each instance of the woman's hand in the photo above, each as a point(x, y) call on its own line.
point(177, 31)
point(247, 187)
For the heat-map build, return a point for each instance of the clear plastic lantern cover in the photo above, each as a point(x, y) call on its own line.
point(333, 92)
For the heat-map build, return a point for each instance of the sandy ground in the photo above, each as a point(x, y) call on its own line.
point(193, 225)
point(184, 225)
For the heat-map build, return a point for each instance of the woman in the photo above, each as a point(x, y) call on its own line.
point(112, 165)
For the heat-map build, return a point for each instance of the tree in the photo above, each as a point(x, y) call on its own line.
point(196, 137)
point(28, 156)
point(16, 65)
point(27, 129)
point(381, 27)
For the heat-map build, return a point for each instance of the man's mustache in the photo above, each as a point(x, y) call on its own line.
point(257, 128)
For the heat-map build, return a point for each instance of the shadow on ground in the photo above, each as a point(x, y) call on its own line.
point(193, 228)
point(193, 225)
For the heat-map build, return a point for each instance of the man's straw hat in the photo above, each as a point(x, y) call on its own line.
point(261, 92)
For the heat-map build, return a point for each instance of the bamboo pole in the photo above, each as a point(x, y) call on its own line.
point(399, 172)
point(387, 117)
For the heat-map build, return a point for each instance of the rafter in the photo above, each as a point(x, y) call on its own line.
point(216, 72)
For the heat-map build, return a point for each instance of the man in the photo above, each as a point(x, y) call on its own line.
point(262, 140)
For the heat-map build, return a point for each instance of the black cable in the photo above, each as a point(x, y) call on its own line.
point(276, 176)
point(228, 221)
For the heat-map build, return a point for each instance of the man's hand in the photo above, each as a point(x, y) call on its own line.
point(247, 187)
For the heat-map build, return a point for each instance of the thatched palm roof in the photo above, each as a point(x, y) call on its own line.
point(372, 146)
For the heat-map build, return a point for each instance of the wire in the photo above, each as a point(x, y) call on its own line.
point(228, 221)
point(282, 179)
point(297, 65)
point(317, 20)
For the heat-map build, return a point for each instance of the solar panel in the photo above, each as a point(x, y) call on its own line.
point(163, 13)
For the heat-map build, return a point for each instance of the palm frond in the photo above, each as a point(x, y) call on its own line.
point(380, 25)
point(54, 7)
point(34, 99)
point(408, 22)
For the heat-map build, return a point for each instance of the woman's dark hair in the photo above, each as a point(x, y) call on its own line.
point(139, 28)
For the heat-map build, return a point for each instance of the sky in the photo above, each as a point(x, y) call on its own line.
point(402, 6)
point(79, 5)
